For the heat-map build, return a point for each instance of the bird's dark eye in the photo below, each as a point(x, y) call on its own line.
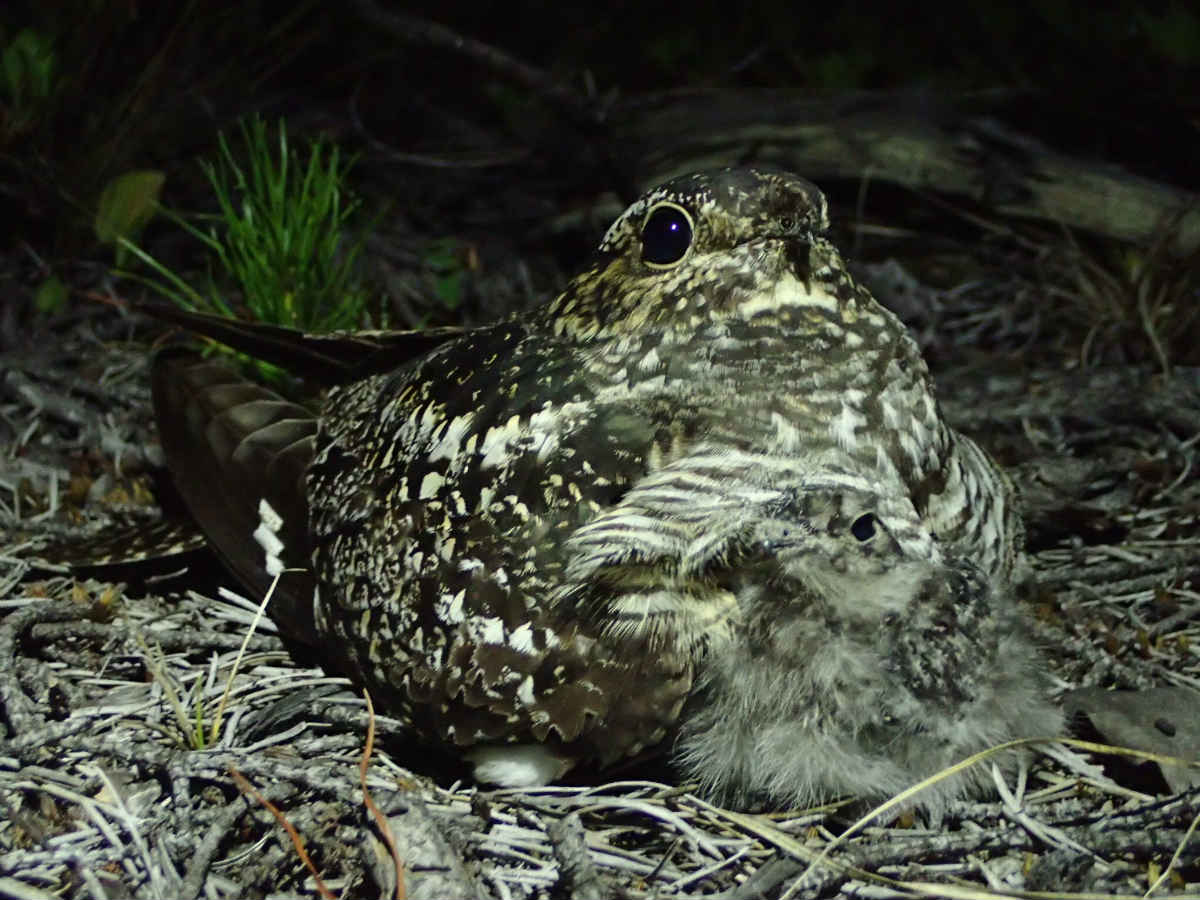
point(666, 235)
point(863, 528)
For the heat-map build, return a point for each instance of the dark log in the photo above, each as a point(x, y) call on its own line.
point(951, 147)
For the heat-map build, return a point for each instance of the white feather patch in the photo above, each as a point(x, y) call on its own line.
point(519, 765)
point(266, 535)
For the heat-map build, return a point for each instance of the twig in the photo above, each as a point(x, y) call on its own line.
point(414, 30)
point(298, 842)
point(578, 878)
point(381, 821)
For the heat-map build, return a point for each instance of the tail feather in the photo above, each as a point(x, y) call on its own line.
point(238, 453)
point(326, 359)
point(125, 543)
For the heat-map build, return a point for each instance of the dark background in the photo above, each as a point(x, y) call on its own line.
point(449, 143)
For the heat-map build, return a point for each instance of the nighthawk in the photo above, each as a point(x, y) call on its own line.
point(703, 500)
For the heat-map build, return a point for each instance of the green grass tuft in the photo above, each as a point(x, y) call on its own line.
point(278, 245)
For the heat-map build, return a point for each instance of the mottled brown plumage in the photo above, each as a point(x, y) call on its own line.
point(703, 499)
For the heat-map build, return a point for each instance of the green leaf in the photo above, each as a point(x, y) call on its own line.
point(449, 288)
point(51, 295)
point(1173, 33)
point(445, 257)
point(28, 65)
point(126, 204)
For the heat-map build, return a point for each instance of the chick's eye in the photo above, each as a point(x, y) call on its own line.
point(666, 236)
point(863, 528)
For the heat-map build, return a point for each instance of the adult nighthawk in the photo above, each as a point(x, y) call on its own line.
point(704, 499)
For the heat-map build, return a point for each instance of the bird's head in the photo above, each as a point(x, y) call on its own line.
point(729, 244)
